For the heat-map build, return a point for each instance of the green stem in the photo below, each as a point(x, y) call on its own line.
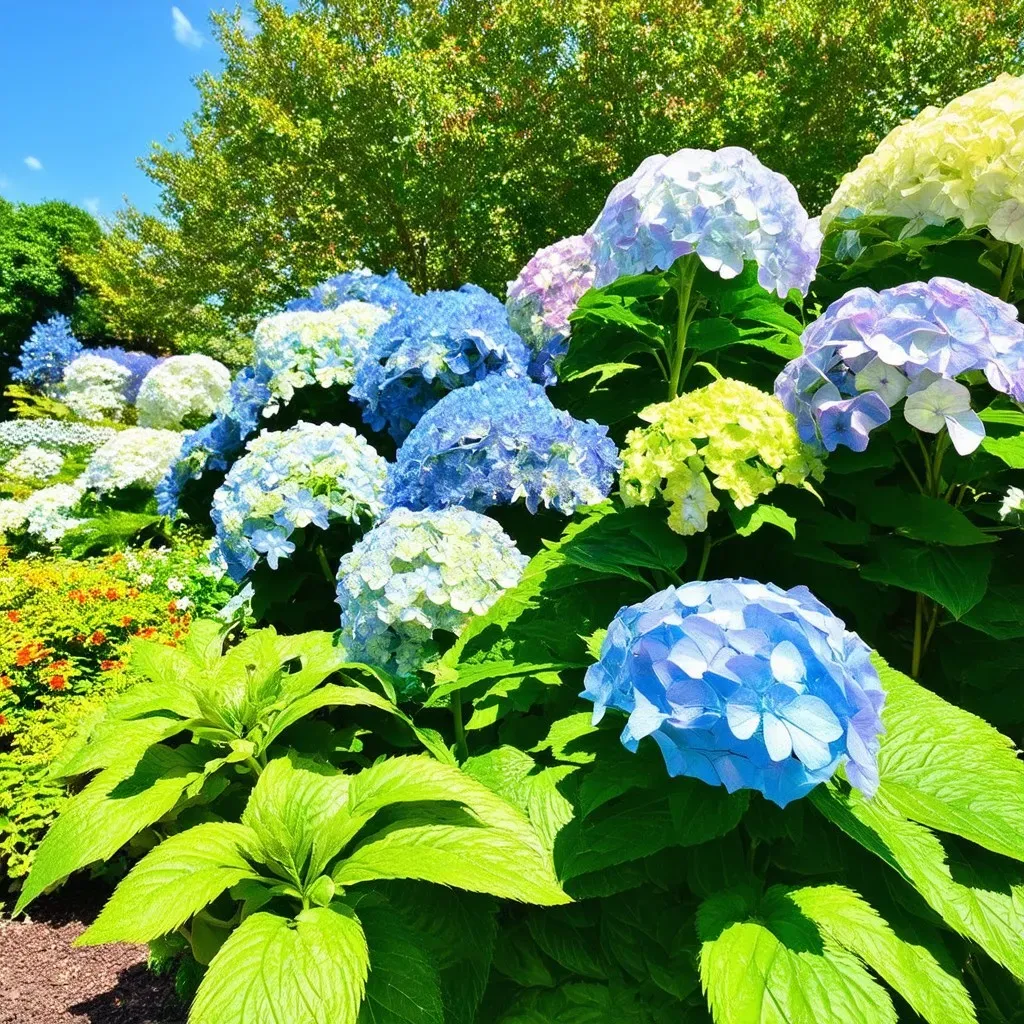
point(461, 747)
point(254, 766)
point(322, 558)
point(1009, 273)
point(686, 270)
point(915, 662)
point(704, 556)
point(990, 1002)
point(910, 470)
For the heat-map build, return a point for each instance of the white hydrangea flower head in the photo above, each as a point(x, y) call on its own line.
point(136, 457)
point(306, 347)
point(54, 435)
point(1012, 506)
point(964, 161)
point(44, 515)
point(417, 572)
point(94, 388)
point(34, 463)
point(183, 388)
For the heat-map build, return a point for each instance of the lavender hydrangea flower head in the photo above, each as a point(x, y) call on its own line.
point(387, 290)
point(47, 352)
point(137, 363)
point(871, 350)
point(724, 205)
point(309, 475)
point(434, 344)
point(215, 445)
point(541, 298)
point(417, 572)
point(496, 442)
point(745, 685)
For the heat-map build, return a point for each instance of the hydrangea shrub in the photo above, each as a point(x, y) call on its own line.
point(743, 685)
point(136, 457)
point(497, 442)
point(309, 475)
point(96, 388)
point(182, 391)
point(416, 573)
point(387, 290)
point(727, 436)
point(47, 352)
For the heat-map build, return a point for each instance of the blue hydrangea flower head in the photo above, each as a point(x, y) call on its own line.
point(434, 344)
point(417, 572)
point(308, 475)
point(870, 351)
point(138, 363)
point(744, 685)
point(543, 296)
point(387, 290)
point(724, 205)
point(500, 441)
point(215, 445)
point(47, 351)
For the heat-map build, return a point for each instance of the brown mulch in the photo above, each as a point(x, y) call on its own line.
point(46, 980)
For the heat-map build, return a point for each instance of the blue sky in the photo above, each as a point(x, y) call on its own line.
point(89, 84)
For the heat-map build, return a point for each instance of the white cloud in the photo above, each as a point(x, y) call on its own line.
point(184, 31)
point(92, 204)
point(33, 163)
point(248, 26)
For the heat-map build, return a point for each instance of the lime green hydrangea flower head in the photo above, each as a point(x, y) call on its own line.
point(728, 437)
point(965, 161)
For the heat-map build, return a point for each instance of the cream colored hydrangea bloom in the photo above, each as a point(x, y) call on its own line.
point(965, 161)
point(727, 435)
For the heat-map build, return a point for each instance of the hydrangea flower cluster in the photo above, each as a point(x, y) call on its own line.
point(962, 162)
point(870, 350)
point(745, 685)
point(136, 457)
point(47, 352)
point(34, 463)
point(541, 298)
point(434, 344)
point(417, 572)
point(724, 205)
point(95, 388)
point(215, 445)
point(59, 435)
point(496, 442)
point(309, 475)
point(45, 514)
point(304, 347)
point(1012, 506)
point(387, 290)
point(138, 363)
point(182, 391)
point(741, 438)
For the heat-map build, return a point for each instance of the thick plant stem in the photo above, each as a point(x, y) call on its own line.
point(461, 747)
point(1010, 272)
point(686, 270)
point(704, 556)
point(325, 568)
point(915, 662)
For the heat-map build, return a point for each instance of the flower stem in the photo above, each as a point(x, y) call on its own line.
point(686, 271)
point(704, 556)
point(1009, 273)
point(461, 747)
point(915, 662)
point(322, 558)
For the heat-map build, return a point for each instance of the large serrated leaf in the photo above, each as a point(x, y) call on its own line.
point(177, 879)
point(116, 805)
point(948, 769)
point(912, 970)
point(272, 970)
point(765, 962)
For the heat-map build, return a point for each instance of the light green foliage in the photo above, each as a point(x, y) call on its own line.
point(727, 435)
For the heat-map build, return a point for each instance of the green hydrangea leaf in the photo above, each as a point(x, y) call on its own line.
point(272, 970)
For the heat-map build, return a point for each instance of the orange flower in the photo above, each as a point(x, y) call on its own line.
point(58, 682)
point(127, 620)
point(95, 592)
point(116, 557)
point(146, 633)
point(133, 592)
point(108, 666)
point(79, 638)
point(28, 654)
point(5, 682)
point(3, 721)
point(172, 607)
point(62, 663)
point(14, 616)
point(112, 594)
point(99, 637)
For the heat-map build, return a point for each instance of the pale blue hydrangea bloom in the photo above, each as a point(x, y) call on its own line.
point(387, 290)
point(305, 348)
point(543, 296)
point(309, 475)
point(137, 363)
point(434, 344)
point(47, 352)
point(745, 685)
point(497, 442)
point(871, 350)
point(418, 572)
point(724, 205)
